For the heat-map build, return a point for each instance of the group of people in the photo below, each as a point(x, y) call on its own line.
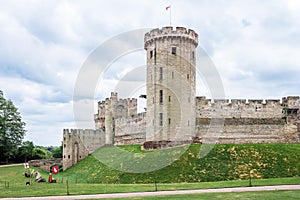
point(38, 177)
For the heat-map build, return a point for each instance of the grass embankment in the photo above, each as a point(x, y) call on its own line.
point(224, 162)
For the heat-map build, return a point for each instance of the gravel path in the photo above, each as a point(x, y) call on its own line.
point(160, 193)
point(11, 165)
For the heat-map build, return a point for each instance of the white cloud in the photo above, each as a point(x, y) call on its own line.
point(254, 45)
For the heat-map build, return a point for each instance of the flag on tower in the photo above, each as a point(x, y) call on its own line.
point(169, 6)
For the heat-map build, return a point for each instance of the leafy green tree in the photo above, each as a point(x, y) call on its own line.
point(25, 152)
point(41, 153)
point(57, 152)
point(12, 129)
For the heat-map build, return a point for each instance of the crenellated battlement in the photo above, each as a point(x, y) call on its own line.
point(291, 101)
point(267, 103)
point(167, 32)
point(243, 108)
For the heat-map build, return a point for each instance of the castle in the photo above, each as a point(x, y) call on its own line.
point(175, 115)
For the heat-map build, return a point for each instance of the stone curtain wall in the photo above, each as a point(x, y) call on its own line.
point(249, 130)
point(130, 130)
point(45, 164)
point(79, 143)
point(239, 108)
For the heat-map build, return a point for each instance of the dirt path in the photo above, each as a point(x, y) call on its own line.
point(11, 165)
point(160, 193)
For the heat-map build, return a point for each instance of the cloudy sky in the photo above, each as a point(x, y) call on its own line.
point(254, 44)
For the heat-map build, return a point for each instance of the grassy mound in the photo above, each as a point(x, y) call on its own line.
point(223, 162)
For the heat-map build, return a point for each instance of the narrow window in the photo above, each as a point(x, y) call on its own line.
point(169, 121)
point(154, 56)
point(160, 96)
point(161, 119)
point(193, 55)
point(160, 73)
point(188, 122)
point(69, 156)
point(151, 54)
point(169, 98)
point(188, 76)
point(174, 50)
point(172, 75)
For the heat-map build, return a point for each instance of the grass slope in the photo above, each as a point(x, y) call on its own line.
point(224, 162)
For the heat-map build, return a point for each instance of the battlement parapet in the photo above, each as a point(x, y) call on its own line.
point(291, 101)
point(136, 117)
point(255, 101)
point(249, 103)
point(166, 32)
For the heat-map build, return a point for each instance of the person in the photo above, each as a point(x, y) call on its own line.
point(38, 177)
point(50, 178)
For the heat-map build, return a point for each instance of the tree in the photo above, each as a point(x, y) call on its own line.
point(25, 152)
point(57, 152)
point(41, 153)
point(12, 129)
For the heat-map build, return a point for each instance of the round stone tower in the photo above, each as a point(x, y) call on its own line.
point(171, 80)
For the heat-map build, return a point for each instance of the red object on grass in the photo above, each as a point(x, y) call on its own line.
point(54, 169)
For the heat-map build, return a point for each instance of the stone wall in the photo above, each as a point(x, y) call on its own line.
point(79, 143)
point(249, 130)
point(238, 108)
point(131, 130)
point(45, 164)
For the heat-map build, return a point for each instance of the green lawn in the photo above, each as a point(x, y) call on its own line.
point(17, 187)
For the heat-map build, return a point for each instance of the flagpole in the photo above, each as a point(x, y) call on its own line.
point(170, 16)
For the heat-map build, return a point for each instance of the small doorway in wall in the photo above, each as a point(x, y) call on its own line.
point(76, 153)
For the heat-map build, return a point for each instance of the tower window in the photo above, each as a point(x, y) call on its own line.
point(174, 50)
point(154, 56)
point(151, 54)
point(172, 75)
point(169, 98)
point(169, 121)
point(188, 76)
point(161, 119)
point(160, 96)
point(193, 55)
point(160, 73)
